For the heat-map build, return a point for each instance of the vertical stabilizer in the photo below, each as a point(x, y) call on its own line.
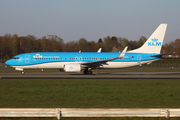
point(154, 42)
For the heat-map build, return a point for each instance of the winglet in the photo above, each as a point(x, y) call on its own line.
point(122, 53)
point(99, 50)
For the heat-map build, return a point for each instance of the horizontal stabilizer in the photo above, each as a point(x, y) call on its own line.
point(159, 55)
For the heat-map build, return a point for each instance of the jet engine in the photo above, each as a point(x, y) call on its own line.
point(72, 67)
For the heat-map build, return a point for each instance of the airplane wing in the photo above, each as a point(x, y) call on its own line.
point(95, 64)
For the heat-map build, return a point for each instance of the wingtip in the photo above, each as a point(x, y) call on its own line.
point(123, 53)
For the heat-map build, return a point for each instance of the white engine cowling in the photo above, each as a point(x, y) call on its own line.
point(72, 67)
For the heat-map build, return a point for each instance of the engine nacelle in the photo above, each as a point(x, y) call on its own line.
point(72, 67)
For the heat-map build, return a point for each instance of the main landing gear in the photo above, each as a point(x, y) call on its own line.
point(22, 72)
point(86, 71)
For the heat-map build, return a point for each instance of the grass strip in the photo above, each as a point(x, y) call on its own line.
point(91, 93)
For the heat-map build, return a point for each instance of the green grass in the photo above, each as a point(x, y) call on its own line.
point(91, 93)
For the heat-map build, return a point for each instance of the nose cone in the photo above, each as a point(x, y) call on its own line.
point(9, 62)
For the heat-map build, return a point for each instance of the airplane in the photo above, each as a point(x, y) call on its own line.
point(87, 61)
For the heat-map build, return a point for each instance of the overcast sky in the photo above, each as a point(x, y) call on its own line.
point(89, 19)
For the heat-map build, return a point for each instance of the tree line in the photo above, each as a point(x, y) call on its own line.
point(11, 45)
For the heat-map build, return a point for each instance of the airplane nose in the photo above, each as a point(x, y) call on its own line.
point(9, 62)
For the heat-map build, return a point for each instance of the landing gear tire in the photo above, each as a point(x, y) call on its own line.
point(90, 72)
point(86, 71)
point(22, 72)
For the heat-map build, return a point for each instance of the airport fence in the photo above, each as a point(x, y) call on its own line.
point(88, 112)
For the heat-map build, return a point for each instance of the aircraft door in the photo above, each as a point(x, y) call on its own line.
point(26, 58)
point(80, 59)
point(76, 59)
point(139, 59)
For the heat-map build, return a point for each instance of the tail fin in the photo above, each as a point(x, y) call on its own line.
point(154, 42)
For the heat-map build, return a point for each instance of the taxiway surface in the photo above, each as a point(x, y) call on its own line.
point(96, 75)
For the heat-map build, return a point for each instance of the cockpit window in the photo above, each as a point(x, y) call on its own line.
point(16, 57)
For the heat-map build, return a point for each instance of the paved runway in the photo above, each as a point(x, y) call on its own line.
point(96, 75)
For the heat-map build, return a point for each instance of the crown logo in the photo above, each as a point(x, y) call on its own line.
point(154, 40)
point(70, 67)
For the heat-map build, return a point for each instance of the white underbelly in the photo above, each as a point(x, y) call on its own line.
point(52, 65)
point(124, 64)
